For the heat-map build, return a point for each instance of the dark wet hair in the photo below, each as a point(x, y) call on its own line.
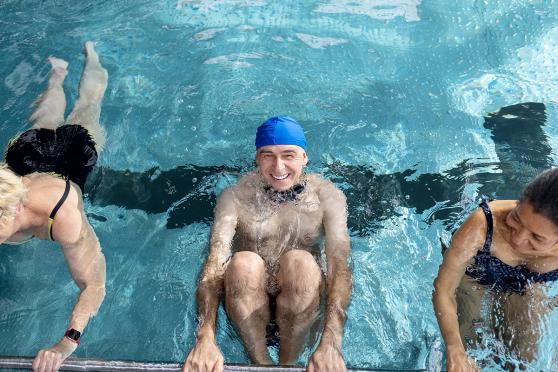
point(542, 193)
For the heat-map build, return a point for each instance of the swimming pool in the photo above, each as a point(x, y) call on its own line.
point(393, 97)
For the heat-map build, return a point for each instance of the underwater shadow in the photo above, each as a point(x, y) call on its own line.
point(187, 193)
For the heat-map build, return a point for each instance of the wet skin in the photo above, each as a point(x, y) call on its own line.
point(71, 229)
point(78, 243)
point(260, 248)
point(521, 237)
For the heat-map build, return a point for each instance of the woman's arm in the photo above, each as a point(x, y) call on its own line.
point(86, 264)
point(464, 247)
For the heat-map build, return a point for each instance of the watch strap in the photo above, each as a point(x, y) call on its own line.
point(73, 335)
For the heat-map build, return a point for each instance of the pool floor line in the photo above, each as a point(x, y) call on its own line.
point(74, 364)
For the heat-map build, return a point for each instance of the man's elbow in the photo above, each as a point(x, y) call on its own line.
point(343, 275)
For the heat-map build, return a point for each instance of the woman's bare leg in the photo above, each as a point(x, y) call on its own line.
point(469, 310)
point(87, 110)
point(518, 321)
point(50, 105)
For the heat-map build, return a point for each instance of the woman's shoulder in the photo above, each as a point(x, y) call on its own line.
point(498, 206)
point(51, 183)
point(47, 190)
point(472, 232)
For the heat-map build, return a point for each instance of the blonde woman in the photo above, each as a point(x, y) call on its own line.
point(41, 191)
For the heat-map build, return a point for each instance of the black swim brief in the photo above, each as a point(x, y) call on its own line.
point(69, 151)
point(272, 328)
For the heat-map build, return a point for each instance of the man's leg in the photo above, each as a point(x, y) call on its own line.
point(247, 303)
point(51, 104)
point(297, 303)
point(87, 110)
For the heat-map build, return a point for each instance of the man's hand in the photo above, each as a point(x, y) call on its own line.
point(204, 357)
point(50, 360)
point(459, 362)
point(326, 358)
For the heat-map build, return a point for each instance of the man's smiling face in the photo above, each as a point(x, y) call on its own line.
point(281, 165)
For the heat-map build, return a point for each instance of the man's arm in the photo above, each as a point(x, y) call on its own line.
point(327, 356)
point(210, 288)
point(339, 277)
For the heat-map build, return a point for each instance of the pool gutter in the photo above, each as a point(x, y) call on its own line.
point(73, 364)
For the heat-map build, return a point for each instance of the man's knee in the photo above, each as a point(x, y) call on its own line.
point(245, 273)
point(299, 276)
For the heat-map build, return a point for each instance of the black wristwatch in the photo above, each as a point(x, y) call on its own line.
point(73, 335)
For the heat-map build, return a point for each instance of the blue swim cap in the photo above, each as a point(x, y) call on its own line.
point(280, 130)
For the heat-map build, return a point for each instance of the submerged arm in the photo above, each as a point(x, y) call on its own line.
point(86, 264)
point(211, 284)
point(327, 356)
point(339, 277)
point(463, 248)
point(88, 269)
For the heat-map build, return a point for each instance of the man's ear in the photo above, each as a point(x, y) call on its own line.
point(305, 158)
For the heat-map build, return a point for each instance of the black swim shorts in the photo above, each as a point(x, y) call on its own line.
point(69, 151)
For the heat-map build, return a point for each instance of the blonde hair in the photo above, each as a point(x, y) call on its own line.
point(12, 193)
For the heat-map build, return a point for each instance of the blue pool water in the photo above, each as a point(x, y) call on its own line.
point(393, 96)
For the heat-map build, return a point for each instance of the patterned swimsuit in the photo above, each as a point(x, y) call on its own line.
point(491, 271)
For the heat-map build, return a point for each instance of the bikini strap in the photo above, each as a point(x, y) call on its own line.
point(56, 208)
point(489, 226)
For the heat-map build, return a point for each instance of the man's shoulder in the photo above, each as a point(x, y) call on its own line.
point(250, 180)
point(323, 187)
point(244, 186)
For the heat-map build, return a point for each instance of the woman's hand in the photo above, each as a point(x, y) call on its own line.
point(458, 361)
point(50, 360)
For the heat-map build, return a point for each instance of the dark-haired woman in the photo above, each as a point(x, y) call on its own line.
point(509, 247)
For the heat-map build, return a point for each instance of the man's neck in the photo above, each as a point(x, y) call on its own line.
point(291, 194)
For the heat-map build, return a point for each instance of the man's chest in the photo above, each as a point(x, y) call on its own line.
point(294, 225)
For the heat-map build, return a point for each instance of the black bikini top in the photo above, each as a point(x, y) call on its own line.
point(56, 208)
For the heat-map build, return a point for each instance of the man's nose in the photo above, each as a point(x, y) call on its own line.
point(279, 164)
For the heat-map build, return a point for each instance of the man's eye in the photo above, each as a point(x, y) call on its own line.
point(289, 157)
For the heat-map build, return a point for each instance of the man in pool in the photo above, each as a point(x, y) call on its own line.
point(264, 255)
point(41, 191)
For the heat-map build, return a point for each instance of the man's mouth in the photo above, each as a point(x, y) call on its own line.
point(280, 178)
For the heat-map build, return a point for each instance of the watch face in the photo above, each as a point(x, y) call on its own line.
point(73, 334)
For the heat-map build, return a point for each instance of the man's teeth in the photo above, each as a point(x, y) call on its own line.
point(279, 178)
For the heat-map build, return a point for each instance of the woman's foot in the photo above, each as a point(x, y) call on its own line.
point(58, 69)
